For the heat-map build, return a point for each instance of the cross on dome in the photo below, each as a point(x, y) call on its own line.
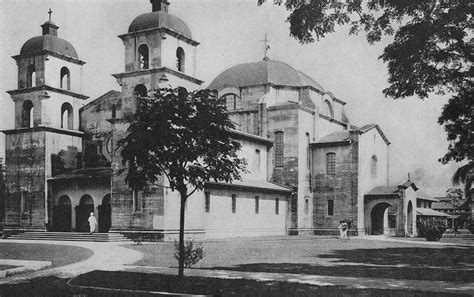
point(50, 12)
point(266, 47)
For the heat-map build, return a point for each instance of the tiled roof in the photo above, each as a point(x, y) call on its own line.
point(89, 173)
point(252, 183)
point(430, 212)
point(383, 191)
point(339, 136)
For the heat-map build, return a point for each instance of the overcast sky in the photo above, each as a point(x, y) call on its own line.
point(230, 32)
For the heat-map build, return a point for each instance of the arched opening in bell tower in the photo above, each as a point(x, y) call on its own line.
point(66, 116)
point(143, 57)
point(140, 91)
point(65, 78)
point(27, 114)
point(31, 77)
point(180, 56)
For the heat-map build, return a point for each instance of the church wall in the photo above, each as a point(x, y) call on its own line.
point(341, 188)
point(132, 42)
point(325, 127)
point(371, 143)
point(63, 153)
point(305, 218)
point(220, 221)
point(409, 196)
point(285, 119)
point(25, 179)
point(52, 74)
point(97, 129)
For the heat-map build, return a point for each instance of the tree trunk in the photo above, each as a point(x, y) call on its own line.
point(181, 235)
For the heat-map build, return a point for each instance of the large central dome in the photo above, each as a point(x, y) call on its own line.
point(263, 72)
point(159, 19)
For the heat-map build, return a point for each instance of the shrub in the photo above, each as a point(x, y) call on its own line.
point(191, 255)
point(431, 228)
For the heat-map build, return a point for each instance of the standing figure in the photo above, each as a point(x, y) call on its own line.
point(341, 233)
point(92, 223)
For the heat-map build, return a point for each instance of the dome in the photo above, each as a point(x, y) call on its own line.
point(159, 19)
point(50, 43)
point(263, 72)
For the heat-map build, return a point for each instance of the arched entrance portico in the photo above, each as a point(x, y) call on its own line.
point(379, 218)
point(62, 214)
point(85, 207)
point(105, 213)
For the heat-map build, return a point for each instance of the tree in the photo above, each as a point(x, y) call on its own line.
point(432, 51)
point(456, 197)
point(184, 136)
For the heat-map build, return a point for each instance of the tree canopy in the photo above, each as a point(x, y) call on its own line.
point(184, 136)
point(432, 52)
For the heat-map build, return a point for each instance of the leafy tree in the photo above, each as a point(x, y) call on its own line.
point(432, 51)
point(184, 136)
point(456, 196)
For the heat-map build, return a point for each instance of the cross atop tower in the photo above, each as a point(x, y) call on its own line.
point(266, 47)
point(50, 12)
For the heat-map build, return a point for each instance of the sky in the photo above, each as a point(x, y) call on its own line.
point(230, 32)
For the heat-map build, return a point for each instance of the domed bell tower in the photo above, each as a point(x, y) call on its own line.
point(159, 52)
point(46, 140)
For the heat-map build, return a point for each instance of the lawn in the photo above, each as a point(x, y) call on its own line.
point(328, 257)
point(59, 255)
point(120, 282)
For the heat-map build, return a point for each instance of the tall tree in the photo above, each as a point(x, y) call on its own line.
point(184, 136)
point(432, 51)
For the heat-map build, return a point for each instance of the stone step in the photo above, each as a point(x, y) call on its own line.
point(70, 236)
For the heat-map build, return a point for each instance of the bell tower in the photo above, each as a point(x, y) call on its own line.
point(159, 52)
point(46, 140)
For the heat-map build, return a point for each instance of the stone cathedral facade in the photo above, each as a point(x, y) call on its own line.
point(309, 167)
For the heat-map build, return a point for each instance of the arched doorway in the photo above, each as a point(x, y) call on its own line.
point(62, 215)
point(380, 219)
point(410, 218)
point(105, 213)
point(83, 210)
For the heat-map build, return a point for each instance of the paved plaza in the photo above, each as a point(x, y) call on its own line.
point(358, 263)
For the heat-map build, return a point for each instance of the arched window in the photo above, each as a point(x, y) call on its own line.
point(327, 109)
point(27, 114)
point(65, 79)
point(64, 200)
point(140, 91)
point(180, 59)
point(232, 101)
point(331, 163)
point(373, 166)
point(66, 116)
point(31, 77)
point(86, 200)
point(278, 149)
point(258, 160)
point(143, 57)
point(106, 200)
point(114, 111)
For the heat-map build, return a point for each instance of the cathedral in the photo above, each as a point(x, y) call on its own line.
point(308, 166)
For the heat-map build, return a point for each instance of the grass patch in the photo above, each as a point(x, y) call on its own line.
point(59, 255)
point(227, 287)
point(6, 267)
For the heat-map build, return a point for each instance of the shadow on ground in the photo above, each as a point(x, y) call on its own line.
point(443, 264)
